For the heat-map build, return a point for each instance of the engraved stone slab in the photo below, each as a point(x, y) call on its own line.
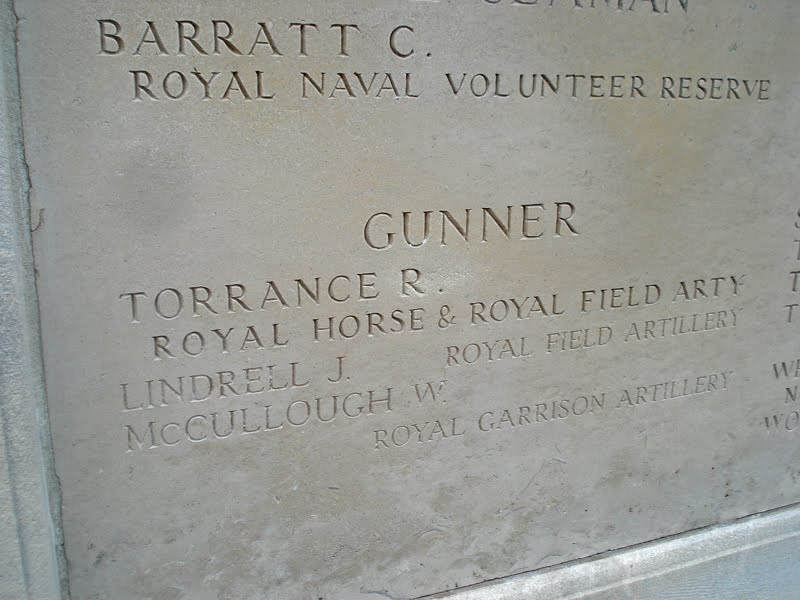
point(353, 300)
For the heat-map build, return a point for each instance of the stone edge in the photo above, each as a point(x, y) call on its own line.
point(32, 563)
point(756, 556)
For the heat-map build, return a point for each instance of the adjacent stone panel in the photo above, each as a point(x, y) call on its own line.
point(362, 301)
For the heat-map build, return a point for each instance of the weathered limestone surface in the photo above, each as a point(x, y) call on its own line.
point(342, 300)
point(753, 558)
point(30, 556)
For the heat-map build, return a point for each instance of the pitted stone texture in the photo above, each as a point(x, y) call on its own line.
point(30, 554)
point(612, 324)
point(754, 558)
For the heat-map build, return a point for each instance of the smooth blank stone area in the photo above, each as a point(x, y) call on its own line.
point(378, 300)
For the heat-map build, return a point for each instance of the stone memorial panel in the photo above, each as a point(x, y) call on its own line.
point(382, 299)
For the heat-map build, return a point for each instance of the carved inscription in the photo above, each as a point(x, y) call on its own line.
point(393, 298)
point(281, 395)
point(787, 372)
point(267, 42)
point(264, 320)
point(648, 6)
point(551, 412)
